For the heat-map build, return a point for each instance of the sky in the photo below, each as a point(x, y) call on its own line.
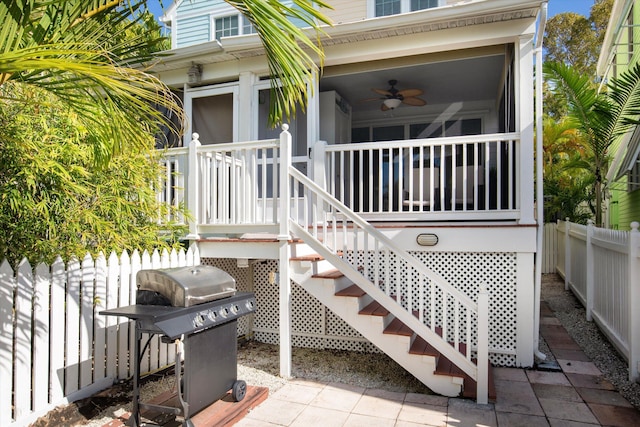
point(578, 6)
point(555, 6)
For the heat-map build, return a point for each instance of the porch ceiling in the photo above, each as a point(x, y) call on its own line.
point(443, 83)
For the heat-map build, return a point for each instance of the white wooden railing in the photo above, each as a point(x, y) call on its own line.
point(450, 321)
point(602, 268)
point(469, 177)
point(234, 187)
point(54, 347)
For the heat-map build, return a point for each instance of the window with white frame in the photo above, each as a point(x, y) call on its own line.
point(633, 180)
point(230, 26)
point(394, 7)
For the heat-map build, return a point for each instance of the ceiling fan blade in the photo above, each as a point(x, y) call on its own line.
point(411, 92)
point(382, 92)
point(414, 101)
point(370, 99)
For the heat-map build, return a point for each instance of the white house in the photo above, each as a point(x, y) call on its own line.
point(411, 176)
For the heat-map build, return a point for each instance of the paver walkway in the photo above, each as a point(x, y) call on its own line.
point(576, 396)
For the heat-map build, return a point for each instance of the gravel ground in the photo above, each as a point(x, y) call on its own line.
point(258, 365)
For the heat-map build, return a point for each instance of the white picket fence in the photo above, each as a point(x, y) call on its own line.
point(602, 268)
point(54, 346)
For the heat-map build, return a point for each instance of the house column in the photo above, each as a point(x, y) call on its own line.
point(246, 114)
point(525, 119)
point(524, 309)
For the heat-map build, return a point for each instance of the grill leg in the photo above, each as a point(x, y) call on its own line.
point(134, 421)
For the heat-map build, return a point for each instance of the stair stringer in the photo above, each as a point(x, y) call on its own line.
point(372, 327)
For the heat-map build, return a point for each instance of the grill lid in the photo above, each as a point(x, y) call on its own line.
point(183, 286)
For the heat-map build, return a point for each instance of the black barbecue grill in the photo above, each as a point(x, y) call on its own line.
point(197, 308)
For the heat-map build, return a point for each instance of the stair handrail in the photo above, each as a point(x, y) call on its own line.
point(477, 371)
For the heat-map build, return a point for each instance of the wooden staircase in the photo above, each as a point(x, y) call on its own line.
point(331, 287)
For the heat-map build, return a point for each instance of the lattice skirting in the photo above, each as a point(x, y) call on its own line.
point(315, 326)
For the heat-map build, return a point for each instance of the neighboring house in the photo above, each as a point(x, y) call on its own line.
point(620, 51)
point(425, 185)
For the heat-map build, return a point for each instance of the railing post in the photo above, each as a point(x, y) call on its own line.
point(482, 391)
point(567, 254)
point(318, 154)
point(590, 271)
point(193, 188)
point(633, 301)
point(283, 238)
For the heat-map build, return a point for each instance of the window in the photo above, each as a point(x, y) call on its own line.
point(633, 177)
point(423, 4)
point(227, 26)
point(387, 7)
point(394, 7)
point(230, 26)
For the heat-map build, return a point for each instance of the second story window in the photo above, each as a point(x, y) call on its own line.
point(227, 26)
point(394, 7)
point(230, 26)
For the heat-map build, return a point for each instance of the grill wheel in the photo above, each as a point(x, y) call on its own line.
point(239, 390)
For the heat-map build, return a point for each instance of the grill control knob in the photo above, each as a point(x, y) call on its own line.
point(235, 309)
point(198, 321)
point(212, 315)
point(224, 312)
point(249, 305)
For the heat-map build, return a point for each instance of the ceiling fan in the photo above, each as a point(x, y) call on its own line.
point(392, 97)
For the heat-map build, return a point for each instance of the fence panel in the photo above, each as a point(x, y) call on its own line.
point(577, 260)
point(602, 267)
point(54, 345)
point(549, 251)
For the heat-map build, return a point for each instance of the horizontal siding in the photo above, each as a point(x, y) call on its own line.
point(191, 6)
point(193, 30)
point(347, 11)
point(628, 207)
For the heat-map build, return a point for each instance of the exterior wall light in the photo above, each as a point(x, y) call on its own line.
point(427, 239)
point(194, 74)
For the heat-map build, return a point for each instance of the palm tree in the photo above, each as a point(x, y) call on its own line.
point(68, 48)
point(601, 118)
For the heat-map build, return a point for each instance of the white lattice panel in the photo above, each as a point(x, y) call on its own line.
point(315, 326)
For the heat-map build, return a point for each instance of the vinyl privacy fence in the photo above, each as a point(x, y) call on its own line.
point(54, 347)
point(602, 268)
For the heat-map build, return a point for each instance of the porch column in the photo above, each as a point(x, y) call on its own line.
point(525, 119)
point(283, 238)
point(524, 309)
point(245, 95)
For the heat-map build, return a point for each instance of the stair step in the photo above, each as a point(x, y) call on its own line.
point(374, 309)
point(420, 346)
point(446, 367)
point(396, 327)
point(329, 274)
point(351, 291)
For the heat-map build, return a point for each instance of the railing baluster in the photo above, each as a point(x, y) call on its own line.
point(370, 181)
point(510, 174)
point(421, 302)
point(380, 179)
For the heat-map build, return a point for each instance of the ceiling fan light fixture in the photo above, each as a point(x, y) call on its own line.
point(392, 103)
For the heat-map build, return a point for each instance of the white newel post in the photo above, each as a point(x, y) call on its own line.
point(283, 238)
point(525, 119)
point(193, 189)
point(567, 254)
point(483, 346)
point(634, 301)
point(590, 271)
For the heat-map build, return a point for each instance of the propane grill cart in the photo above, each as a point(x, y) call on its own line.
point(197, 308)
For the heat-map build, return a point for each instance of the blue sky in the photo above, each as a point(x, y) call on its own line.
point(578, 6)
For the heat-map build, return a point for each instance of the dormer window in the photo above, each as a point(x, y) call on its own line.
point(394, 7)
point(229, 26)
